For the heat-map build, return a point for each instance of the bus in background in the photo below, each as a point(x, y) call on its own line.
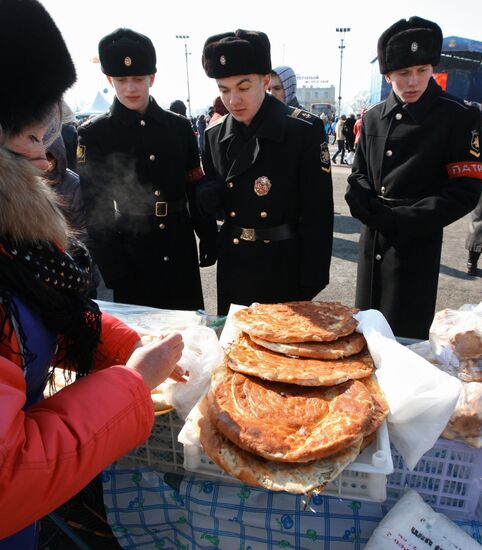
point(327, 108)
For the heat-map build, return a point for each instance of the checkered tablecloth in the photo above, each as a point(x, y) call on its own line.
point(147, 509)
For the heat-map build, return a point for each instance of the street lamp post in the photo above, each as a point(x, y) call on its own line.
point(341, 47)
point(185, 37)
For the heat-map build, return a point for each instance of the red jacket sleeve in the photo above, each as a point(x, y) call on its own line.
point(116, 342)
point(51, 451)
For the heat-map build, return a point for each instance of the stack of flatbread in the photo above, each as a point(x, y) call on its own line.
point(294, 402)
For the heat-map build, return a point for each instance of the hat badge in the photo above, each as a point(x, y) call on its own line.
point(414, 47)
point(127, 61)
point(222, 60)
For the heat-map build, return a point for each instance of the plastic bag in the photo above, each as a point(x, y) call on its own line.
point(413, 525)
point(202, 353)
point(421, 397)
point(456, 340)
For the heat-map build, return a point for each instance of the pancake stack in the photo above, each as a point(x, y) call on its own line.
point(294, 402)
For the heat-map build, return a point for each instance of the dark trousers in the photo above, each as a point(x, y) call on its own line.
point(341, 149)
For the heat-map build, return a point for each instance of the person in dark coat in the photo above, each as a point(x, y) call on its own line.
point(417, 169)
point(473, 242)
point(66, 185)
point(349, 133)
point(178, 107)
point(139, 167)
point(268, 168)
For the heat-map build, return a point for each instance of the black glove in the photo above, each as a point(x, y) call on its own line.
point(207, 254)
point(208, 196)
point(358, 199)
point(382, 218)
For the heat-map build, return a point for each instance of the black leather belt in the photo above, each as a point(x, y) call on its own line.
point(396, 202)
point(277, 233)
point(160, 209)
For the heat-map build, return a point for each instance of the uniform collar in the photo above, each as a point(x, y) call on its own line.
point(271, 124)
point(418, 110)
point(130, 117)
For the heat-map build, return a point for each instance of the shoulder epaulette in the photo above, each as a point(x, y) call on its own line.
point(91, 121)
point(453, 99)
point(304, 116)
point(216, 122)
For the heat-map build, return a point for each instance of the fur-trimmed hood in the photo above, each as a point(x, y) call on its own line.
point(28, 206)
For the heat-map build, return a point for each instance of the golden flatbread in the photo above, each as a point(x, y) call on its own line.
point(297, 321)
point(345, 346)
point(381, 408)
point(301, 478)
point(245, 356)
point(288, 423)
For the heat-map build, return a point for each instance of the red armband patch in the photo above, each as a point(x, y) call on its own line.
point(465, 169)
point(194, 175)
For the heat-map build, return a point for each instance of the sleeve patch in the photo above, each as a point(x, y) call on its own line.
point(325, 157)
point(465, 169)
point(81, 153)
point(475, 144)
point(194, 175)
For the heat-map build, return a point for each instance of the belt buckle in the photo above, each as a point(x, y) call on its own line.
point(248, 234)
point(161, 209)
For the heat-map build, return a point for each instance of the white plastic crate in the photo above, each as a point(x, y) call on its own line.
point(448, 477)
point(364, 479)
point(161, 450)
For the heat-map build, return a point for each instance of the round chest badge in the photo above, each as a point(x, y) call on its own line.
point(127, 61)
point(262, 186)
point(414, 47)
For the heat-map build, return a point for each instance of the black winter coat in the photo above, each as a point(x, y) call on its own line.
point(417, 169)
point(288, 147)
point(131, 165)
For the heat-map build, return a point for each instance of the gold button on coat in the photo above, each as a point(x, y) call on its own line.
point(398, 116)
point(166, 258)
point(382, 190)
point(263, 214)
point(378, 257)
point(143, 123)
point(230, 184)
point(389, 153)
point(152, 157)
point(232, 214)
point(157, 192)
point(235, 241)
point(162, 226)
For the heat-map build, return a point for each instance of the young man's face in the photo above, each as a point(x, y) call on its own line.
point(411, 82)
point(133, 91)
point(30, 144)
point(243, 95)
point(275, 88)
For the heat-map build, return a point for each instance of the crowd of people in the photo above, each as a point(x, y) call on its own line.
point(140, 191)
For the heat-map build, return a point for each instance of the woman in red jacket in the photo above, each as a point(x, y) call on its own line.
point(51, 448)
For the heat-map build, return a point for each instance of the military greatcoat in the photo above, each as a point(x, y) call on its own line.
point(273, 182)
point(138, 174)
point(417, 169)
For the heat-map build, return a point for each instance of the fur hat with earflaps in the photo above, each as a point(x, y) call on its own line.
point(35, 59)
point(234, 53)
point(408, 43)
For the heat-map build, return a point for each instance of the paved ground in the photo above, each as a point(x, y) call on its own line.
point(455, 286)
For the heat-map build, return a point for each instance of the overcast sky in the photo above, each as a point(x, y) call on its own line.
point(302, 34)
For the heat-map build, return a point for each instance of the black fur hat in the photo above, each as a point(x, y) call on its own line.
point(408, 43)
point(233, 53)
point(125, 52)
point(34, 57)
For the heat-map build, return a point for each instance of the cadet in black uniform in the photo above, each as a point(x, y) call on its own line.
point(139, 166)
point(269, 170)
point(417, 169)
